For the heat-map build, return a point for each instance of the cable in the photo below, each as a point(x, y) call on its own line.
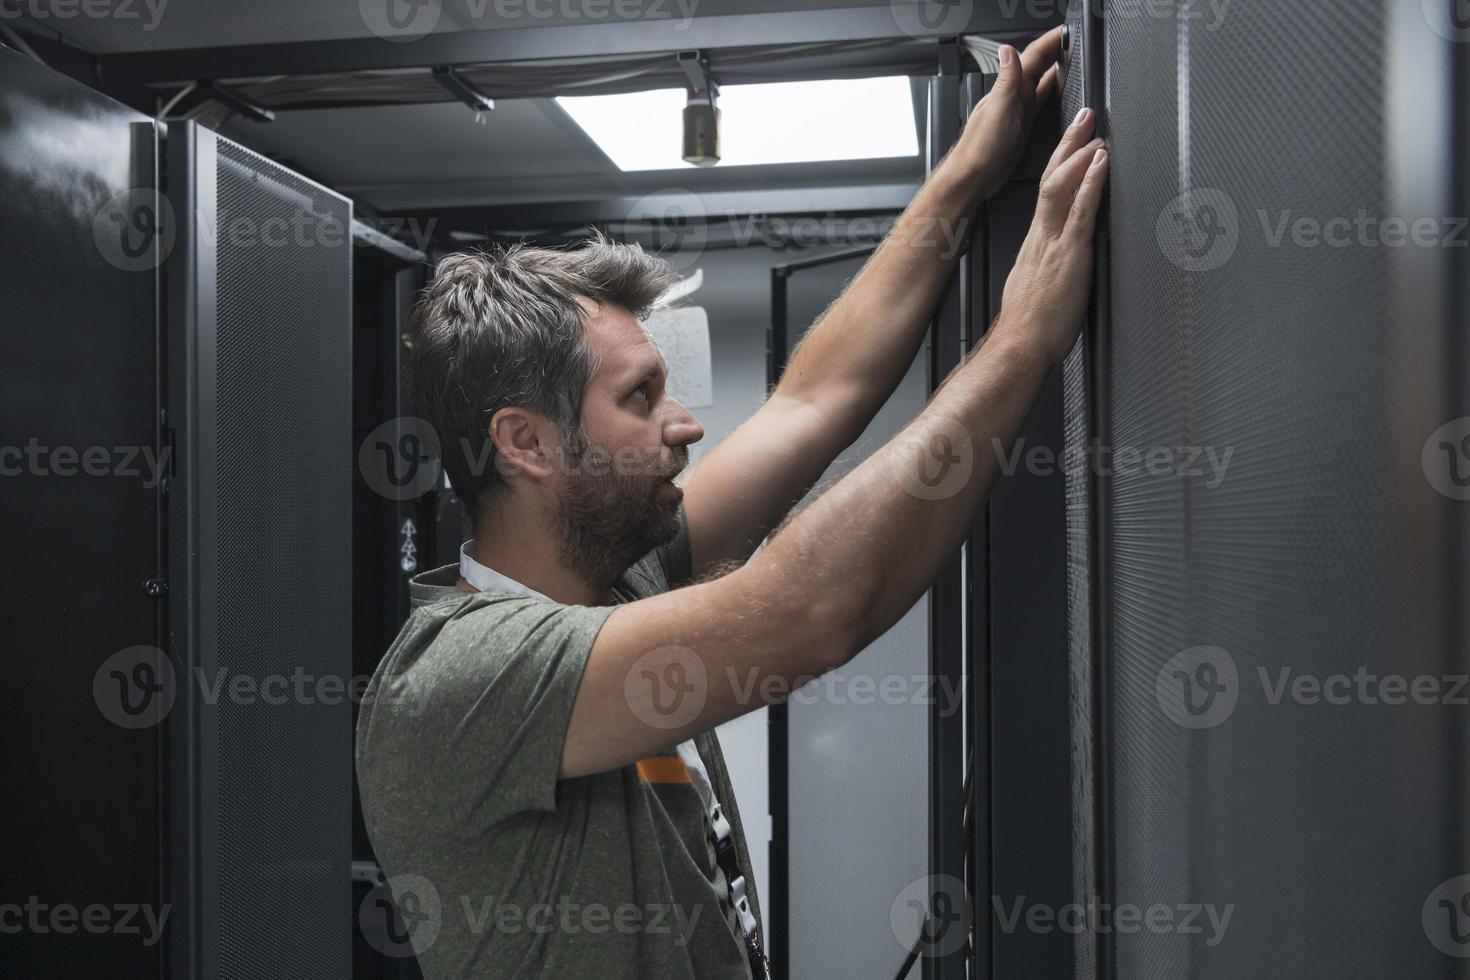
point(969, 794)
point(178, 97)
point(13, 39)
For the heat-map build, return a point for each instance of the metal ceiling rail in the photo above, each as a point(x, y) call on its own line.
point(678, 207)
point(587, 40)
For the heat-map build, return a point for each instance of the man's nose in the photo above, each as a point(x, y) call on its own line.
point(682, 428)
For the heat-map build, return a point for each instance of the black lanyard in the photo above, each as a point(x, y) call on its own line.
point(729, 861)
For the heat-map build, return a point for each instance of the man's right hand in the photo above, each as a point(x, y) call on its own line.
point(1046, 293)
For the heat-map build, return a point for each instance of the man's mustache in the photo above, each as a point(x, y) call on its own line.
point(681, 460)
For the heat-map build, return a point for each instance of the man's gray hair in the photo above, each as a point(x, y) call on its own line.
point(504, 327)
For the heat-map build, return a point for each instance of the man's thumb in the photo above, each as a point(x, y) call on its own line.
point(1010, 70)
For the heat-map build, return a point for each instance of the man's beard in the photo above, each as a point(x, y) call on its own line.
point(607, 518)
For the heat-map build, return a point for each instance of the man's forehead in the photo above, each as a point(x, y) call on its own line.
point(625, 346)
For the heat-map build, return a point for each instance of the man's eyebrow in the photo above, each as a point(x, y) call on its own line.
point(649, 371)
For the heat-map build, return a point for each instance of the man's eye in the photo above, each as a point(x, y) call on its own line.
point(641, 390)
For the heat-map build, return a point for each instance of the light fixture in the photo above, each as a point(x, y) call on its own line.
point(701, 114)
point(768, 123)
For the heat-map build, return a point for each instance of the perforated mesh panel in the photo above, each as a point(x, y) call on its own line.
point(283, 454)
point(1149, 364)
point(1075, 62)
point(1309, 822)
point(1077, 433)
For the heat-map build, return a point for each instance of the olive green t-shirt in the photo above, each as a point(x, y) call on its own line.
point(501, 869)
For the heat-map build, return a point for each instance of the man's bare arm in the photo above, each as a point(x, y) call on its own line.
point(843, 571)
point(853, 358)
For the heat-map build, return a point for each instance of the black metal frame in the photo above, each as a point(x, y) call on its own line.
point(779, 895)
point(977, 581)
point(947, 750)
point(1428, 173)
point(194, 815)
point(1099, 384)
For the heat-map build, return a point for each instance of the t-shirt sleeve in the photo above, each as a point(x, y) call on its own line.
point(482, 719)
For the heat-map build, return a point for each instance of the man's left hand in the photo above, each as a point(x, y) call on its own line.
point(997, 131)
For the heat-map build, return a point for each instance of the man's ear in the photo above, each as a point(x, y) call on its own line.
point(525, 443)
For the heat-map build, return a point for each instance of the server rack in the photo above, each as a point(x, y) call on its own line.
point(204, 365)
point(1332, 830)
point(81, 820)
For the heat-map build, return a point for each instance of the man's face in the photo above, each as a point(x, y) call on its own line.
point(617, 497)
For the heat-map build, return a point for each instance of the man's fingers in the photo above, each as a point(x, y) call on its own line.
point(1078, 133)
point(1057, 190)
point(1041, 54)
point(1082, 220)
point(1046, 86)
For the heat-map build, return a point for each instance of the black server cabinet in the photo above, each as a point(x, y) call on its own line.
point(80, 482)
point(177, 455)
point(1277, 637)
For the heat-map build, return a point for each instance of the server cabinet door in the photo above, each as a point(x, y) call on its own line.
point(1283, 560)
point(260, 306)
point(79, 483)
